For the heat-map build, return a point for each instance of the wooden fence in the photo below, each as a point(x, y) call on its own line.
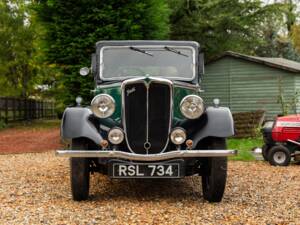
point(17, 109)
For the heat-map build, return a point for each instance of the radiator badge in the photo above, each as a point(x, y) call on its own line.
point(129, 91)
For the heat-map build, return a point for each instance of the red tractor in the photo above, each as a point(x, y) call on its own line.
point(282, 140)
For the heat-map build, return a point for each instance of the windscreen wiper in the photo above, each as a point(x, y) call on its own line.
point(175, 51)
point(140, 50)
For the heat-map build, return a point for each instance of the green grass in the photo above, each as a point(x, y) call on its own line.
point(244, 147)
point(35, 124)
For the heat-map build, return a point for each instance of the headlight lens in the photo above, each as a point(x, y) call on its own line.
point(178, 136)
point(103, 105)
point(192, 106)
point(115, 136)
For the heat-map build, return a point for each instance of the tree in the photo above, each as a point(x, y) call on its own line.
point(17, 48)
point(289, 9)
point(73, 28)
point(296, 37)
point(279, 32)
point(219, 25)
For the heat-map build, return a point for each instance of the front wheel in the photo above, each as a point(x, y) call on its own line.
point(279, 156)
point(215, 173)
point(80, 173)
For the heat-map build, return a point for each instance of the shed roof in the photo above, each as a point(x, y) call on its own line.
point(280, 63)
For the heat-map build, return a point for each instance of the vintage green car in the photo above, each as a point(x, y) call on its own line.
point(147, 119)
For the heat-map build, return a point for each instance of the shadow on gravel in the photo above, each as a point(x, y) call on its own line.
point(147, 189)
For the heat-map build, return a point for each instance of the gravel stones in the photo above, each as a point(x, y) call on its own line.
point(34, 189)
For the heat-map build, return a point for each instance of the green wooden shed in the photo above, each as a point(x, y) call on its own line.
point(247, 83)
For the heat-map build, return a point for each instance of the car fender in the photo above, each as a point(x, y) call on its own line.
point(76, 124)
point(219, 124)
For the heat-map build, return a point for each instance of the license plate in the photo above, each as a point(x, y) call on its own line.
point(145, 170)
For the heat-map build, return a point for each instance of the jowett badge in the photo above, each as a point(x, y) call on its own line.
point(129, 91)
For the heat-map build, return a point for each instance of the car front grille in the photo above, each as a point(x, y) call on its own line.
point(147, 109)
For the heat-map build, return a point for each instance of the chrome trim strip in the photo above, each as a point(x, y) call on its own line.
point(155, 47)
point(150, 157)
point(147, 120)
point(190, 86)
point(109, 85)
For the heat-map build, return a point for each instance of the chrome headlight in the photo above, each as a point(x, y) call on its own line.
point(192, 106)
point(103, 105)
point(178, 136)
point(115, 136)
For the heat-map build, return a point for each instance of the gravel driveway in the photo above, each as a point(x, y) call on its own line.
point(34, 189)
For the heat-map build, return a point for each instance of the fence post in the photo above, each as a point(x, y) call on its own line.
point(38, 109)
point(25, 109)
point(14, 108)
point(53, 110)
point(6, 110)
point(19, 117)
point(30, 109)
point(43, 105)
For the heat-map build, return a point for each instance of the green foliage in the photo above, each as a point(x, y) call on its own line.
point(73, 28)
point(219, 25)
point(17, 48)
point(295, 36)
point(278, 37)
point(246, 26)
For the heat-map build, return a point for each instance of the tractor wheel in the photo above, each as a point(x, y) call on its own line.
point(79, 174)
point(279, 156)
point(215, 173)
point(265, 151)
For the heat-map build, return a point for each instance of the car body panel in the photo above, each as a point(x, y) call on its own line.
point(76, 124)
point(179, 92)
point(219, 124)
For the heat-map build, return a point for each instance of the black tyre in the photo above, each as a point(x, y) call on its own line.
point(264, 151)
point(80, 173)
point(279, 156)
point(215, 173)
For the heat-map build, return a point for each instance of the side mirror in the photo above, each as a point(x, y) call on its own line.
point(84, 71)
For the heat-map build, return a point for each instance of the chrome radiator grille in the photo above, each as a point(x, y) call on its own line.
point(147, 111)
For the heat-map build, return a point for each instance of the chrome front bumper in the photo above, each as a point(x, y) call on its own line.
point(149, 157)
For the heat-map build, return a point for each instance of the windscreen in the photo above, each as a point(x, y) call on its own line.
point(173, 62)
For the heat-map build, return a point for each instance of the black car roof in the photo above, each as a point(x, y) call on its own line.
point(147, 42)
